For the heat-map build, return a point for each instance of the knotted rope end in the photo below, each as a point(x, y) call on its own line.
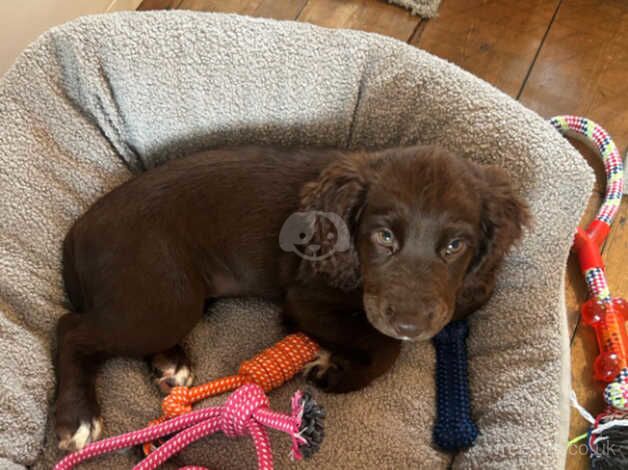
point(309, 430)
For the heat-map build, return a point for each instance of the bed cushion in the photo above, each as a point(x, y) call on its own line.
point(97, 100)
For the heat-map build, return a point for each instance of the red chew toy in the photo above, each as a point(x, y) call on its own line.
point(607, 441)
point(608, 318)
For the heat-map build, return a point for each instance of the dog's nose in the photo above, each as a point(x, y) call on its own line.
point(406, 329)
point(414, 323)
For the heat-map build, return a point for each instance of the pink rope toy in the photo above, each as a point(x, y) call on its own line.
point(246, 411)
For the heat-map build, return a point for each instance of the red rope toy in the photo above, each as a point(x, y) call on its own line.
point(607, 440)
point(246, 411)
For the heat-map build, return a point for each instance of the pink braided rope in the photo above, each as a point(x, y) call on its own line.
point(178, 442)
point(246, 411)
point(262, 445)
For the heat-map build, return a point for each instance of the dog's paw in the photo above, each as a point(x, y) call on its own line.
point(87, 431)
point(77, 421)
point(316, 369)
point(334, 373)
point(173, 377)
point(171, 371)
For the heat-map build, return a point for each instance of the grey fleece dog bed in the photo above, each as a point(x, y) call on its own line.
point(104, 97)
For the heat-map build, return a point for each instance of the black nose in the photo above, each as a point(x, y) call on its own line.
point(406, 329)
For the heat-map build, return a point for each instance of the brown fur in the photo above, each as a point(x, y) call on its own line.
point(141, 263)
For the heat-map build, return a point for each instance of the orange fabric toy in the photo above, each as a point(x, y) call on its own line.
point(270, 369)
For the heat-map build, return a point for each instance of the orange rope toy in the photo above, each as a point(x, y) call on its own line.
point(269, 369)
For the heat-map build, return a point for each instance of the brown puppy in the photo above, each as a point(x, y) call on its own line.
point(363, 249)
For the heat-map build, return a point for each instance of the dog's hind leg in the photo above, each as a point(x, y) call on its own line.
point(135, 323)
point(77, 414)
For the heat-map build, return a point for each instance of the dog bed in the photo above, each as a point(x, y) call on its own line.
point(97, 100)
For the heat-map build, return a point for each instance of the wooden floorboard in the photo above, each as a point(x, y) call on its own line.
point(281, 9)
point(366, 15)
point(616, 253)
point(159, 4)
point(243, 7)
point(496, 40)
point(583, 66)
point(277, 9)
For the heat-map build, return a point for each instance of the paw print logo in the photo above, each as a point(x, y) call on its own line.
point(298, 231)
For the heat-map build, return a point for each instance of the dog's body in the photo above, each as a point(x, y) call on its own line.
point(141, 264)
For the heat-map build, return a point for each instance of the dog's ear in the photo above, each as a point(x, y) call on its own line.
point(336, 200)
point(503, 216)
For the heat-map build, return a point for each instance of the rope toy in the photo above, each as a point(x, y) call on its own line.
point(454, 428)
point(248, 406)
point(246, 411)
point(608, 436)
point(270, 369)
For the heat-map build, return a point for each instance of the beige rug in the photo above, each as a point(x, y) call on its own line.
point(424, 8)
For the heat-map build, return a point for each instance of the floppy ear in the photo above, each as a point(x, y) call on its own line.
point(503, 217)
point(340, 191)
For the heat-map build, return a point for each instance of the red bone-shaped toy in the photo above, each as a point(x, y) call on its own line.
point(608, 320)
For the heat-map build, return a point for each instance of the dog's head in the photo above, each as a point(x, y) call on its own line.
point(427, 232)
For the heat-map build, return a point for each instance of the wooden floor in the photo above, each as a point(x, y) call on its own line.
point(555, 56)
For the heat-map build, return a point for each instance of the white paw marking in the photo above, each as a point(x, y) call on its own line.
point(183, 376)
point(175, 378)
point(322, 361)
point(96, 429)
point(78, 440)
point(85, 434)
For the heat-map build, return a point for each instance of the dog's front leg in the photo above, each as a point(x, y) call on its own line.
point(354, 353)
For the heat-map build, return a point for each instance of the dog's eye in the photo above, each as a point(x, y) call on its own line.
point(384, 237)
point(454, 247)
